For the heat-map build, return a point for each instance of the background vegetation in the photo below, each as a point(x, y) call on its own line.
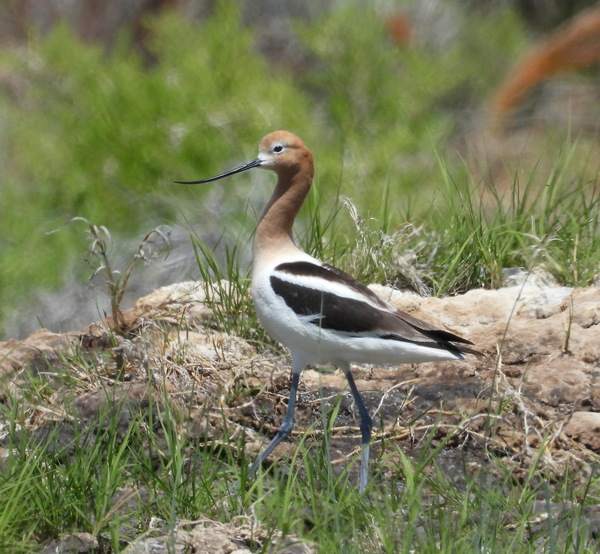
point(102, 134)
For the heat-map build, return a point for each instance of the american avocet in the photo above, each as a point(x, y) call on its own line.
point(319, 312)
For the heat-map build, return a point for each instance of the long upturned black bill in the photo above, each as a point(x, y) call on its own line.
point(245, 167)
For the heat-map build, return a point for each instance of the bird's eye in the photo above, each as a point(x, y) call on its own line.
point(278, 148)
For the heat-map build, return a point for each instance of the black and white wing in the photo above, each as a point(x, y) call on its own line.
point(334, 300)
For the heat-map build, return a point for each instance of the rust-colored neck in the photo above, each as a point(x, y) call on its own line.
point(275, 227)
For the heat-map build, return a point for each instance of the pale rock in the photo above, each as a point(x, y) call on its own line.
point(584, 427)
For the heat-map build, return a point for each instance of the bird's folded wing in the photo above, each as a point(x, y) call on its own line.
point(326, 296)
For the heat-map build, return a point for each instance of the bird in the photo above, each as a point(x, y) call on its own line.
point(320, 313)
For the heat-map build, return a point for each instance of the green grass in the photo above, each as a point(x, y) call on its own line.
point(551, 221)
point(134, 461)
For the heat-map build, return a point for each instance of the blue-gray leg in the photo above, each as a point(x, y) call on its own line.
point(284, 430)
point(366, 424)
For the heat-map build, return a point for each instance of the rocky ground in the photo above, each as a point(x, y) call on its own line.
point(534, 394)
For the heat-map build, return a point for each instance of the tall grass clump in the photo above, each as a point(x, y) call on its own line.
point(552, 221)
point(227, 291)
